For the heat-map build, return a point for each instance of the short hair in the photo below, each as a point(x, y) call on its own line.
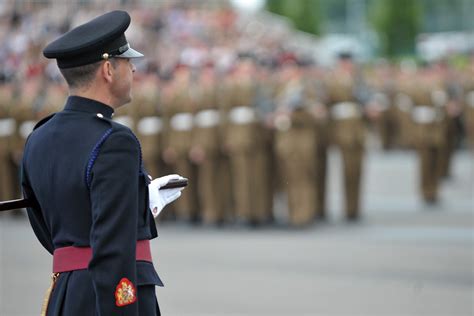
point(81, 76)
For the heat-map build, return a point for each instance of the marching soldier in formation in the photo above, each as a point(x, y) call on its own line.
point(267, 88)
point(315, 95)
point(403, 105)
point(148, 122)
point(205, 150)
point(468, 101)
point(7, 131)
point(295, 147)
point(345, 98)
point(179, 106)
point(451, 91)
point(428, 115)
point(379, 109)
point(243, 143)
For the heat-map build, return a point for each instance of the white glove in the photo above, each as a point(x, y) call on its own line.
point(160, 198)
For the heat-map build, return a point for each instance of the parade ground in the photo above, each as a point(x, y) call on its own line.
point(402, 258)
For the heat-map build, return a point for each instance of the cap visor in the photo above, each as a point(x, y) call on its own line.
point(130, 53)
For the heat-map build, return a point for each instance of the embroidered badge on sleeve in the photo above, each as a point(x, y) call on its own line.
point(125, 293)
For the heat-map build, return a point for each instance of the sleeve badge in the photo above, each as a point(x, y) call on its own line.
point(125, 293)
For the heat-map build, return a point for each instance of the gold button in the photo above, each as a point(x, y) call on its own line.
point(100, 115)
point(150, 177)
point(105, 56)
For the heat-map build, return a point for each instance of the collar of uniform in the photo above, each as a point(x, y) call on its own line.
point(81, 104)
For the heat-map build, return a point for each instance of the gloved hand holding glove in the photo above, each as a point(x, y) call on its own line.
point(160, 198)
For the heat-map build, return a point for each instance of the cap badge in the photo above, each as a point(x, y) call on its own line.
point(125, 294)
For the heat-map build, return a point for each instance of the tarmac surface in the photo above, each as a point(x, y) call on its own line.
point(402, 258)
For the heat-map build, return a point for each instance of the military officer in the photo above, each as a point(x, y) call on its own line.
point(89, 191)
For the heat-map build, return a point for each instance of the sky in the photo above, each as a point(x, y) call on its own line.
point(251, 5)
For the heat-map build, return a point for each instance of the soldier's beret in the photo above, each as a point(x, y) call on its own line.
point(98, 39)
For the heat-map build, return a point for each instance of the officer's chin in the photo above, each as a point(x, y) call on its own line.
point(125, 101)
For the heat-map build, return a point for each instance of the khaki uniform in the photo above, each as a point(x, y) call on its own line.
point(449, 97)
point(347, 132)
point(7, 131)
point(295, 146)
point(429, 135)
point(301, 147)
point(149, 125)
point(243, 142)
point(314, 95)
point(379, 110)
point(179, 107)
point(265, 108)
point(402, 109)
point(224, 101)
point(468, 108)
point(205, 152)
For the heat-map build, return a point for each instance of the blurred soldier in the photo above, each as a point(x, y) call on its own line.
point(149, 124)
point(403, 105)
point(347, 127)
point(468, 107)
point(451, 103)
point(179, 106)
point(26, 112)
point(224, 99)
point(205, 150)
point(314, 96)
point(267, 88)
point(428, 116)
point(7, 130)
point(295, 146)
point(243, 142)
point(379, 109)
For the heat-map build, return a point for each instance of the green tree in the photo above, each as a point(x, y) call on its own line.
point(275, 6)
point(305, 14)
point(397, 23)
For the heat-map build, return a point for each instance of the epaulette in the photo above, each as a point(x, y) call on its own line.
point(44, 120)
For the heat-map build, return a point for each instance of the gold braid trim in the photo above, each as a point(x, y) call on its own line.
point(47, 295)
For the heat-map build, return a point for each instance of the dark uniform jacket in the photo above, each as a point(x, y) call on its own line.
point(85, 176)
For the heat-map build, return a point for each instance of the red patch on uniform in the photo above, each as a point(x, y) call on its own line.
point(125, 293)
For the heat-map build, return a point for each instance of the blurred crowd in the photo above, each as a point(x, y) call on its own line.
point(230, 106)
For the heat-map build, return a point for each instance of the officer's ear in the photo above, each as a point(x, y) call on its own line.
point(107, 71)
